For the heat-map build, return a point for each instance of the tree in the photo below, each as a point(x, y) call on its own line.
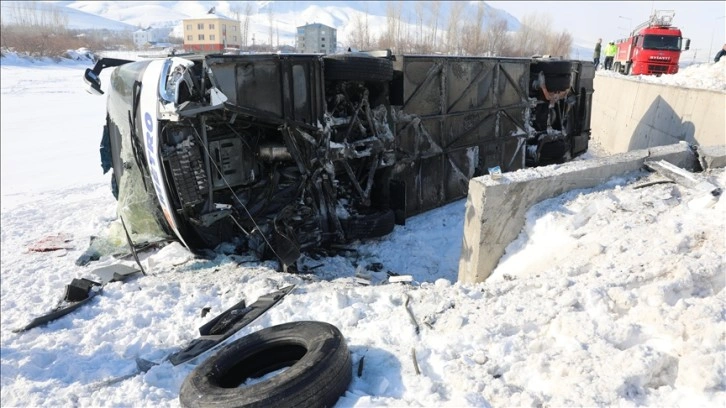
point(419, 9)
point(246, 23)
point(434, 24)
point(391, 38)
point(270, 20)
point(453, 28)
point(359, 37)
point(536, 37)
point(496, 40)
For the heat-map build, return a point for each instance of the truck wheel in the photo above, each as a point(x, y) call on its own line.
point(351, 67)
point(373, 225)
point(319, 369)
point(557, 74)
point(628, 67)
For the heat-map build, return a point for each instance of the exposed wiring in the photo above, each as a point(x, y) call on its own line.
point(221, 174)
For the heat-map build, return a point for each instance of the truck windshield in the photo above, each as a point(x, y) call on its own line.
point(662, 42)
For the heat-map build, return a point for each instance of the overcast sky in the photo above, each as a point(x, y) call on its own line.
point(701, 21)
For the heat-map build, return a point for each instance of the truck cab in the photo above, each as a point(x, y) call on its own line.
point(653, 48)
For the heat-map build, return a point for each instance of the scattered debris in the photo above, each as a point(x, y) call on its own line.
point(415, 362)
point(226, 324)
point(56, 242)
point(682, 177)
point(131, 246)
point(81, 291)
point(495, 172)
point(205, 311)
point(360, 366)
point(400, 279)
point(410, 314)
point(375, 267)
point(652, 183)
point(362, 276)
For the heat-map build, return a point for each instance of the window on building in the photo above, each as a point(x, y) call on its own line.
point(189, 26)
point(322, 32)
point(224, 26)
point(211, 37)
point(234, 28)
point(322, 39)
point(201, 37)
point(200, 26)
point(189, 37)
point(211, 26)
point(234, 38)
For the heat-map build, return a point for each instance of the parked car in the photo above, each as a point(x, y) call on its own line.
point(286, 153)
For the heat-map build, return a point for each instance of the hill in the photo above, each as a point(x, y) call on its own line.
point(78, 19)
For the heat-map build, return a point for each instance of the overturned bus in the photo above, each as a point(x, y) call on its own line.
point(285, 154)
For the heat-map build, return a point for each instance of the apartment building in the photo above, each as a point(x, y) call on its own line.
point(316, 38)
point(211, 32)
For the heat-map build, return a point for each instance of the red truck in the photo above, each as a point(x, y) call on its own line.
point(653, 47)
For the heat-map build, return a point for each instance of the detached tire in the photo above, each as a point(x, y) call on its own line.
point(353, 67)
point(319, 369)
point(557, 73)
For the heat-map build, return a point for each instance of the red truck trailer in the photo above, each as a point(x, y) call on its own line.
point(653, 47)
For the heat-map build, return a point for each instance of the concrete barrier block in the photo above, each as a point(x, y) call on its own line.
point(496, 208)
point(630, 115)
point(712, 156)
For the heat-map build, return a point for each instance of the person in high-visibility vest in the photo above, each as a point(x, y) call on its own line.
point(610, 52)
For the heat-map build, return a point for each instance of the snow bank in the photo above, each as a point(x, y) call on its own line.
point(710, 76)
point(70, 57)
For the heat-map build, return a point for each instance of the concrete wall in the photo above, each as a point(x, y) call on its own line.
point(629, 115)
point(496, 208)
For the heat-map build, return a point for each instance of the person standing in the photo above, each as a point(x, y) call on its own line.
point(596, 54)
point(610, 52)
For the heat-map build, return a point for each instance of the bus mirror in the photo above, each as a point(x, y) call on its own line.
point(93, 81)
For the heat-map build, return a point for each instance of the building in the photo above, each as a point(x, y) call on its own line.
point(316, 38)
point(211, 32)
point(150, 36)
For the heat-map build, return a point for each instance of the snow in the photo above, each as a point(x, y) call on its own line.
point(707, 76)
point(611, 296)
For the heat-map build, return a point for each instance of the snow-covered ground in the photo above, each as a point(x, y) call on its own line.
point(611, 296)
point(709, 76)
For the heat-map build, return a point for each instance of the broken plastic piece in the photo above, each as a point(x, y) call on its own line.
point(79, 289)
point(246, 315)
point(400, 278)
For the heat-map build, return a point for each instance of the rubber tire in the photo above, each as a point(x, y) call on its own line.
point(557, 73)
point(356, 67)
point(321, 372)
point(374, 225)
